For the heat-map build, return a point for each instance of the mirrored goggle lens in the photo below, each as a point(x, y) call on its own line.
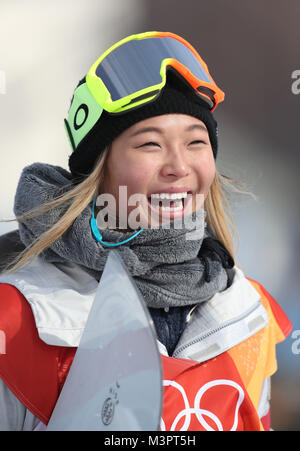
point(135, 65)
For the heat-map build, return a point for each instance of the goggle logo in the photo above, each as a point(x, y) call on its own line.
point(80, 116)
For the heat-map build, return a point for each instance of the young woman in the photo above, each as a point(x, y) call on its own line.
point(144, 138)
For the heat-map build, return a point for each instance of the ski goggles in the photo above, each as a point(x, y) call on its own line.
point(134, 70)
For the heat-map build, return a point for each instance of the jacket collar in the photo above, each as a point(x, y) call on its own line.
point(224, 321)
point(61, 296)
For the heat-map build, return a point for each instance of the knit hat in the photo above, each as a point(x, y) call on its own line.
point(176, 97)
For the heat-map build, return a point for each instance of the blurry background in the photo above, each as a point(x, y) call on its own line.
point(251, 48)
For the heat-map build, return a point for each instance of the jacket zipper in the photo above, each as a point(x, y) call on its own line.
point(217, 329)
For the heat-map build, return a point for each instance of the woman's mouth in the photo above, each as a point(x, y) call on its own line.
point(170, 205)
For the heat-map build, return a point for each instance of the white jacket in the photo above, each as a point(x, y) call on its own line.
point(61, 296)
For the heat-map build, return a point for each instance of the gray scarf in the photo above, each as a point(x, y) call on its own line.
point(168, 268)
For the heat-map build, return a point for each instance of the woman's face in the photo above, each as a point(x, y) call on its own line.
point(167, 160)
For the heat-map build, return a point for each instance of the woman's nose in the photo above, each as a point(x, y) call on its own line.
point(176, 164)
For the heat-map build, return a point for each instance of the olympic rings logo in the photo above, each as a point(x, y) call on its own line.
point(198, 411)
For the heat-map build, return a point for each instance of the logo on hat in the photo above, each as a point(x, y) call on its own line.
point(81, 116)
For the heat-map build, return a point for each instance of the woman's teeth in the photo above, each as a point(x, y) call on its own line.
point(168, 201)
point(170, 196)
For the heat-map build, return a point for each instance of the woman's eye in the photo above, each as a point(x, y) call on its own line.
point(149, 144)
point(197, 142)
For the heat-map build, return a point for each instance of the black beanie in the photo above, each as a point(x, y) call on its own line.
point(175, 97)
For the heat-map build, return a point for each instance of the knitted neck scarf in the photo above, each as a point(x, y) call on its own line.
point(169, 269)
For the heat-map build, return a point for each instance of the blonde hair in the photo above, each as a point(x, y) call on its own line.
point(219, 215)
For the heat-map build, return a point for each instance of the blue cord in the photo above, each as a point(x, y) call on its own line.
point(98, 235)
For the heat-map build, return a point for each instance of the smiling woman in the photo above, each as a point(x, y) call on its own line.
point(155, 136)
point(164, 156)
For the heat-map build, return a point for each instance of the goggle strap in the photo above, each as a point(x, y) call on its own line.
point(83, 114)
point(69, 134)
